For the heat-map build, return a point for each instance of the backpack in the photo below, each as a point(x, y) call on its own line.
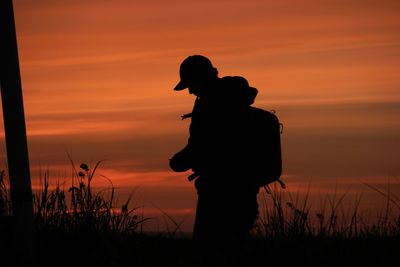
point(265, 133)
point(261, 157)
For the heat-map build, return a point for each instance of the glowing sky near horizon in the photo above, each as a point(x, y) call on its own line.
point(98, 77)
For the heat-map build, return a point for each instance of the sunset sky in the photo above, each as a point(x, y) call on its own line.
point(98, 80)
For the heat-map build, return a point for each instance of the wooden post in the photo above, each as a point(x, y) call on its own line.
point(16, 141)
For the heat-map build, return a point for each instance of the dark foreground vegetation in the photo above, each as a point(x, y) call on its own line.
point(80, 226)
point(113, 249)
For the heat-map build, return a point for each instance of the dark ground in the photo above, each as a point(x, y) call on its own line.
point(108, 249)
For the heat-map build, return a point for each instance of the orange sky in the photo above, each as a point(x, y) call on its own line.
point(98, 77)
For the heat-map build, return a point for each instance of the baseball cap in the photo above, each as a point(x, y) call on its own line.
point(193, 68)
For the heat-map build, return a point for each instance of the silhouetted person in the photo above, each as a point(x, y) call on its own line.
point(223, 153)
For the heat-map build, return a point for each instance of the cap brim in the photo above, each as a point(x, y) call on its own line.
point(180, 86)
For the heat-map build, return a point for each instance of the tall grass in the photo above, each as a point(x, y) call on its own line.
point(287, 216)
point(5, 203)
point(87, 209)
point(77, 208)
point(80, 207)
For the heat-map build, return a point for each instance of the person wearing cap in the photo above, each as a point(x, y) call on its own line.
point(218, 152)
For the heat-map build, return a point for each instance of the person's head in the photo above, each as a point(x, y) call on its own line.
point(196, 73)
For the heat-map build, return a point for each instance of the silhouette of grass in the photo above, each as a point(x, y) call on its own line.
point(285, 216)
point(5, 203)
point(81, 226)
point(173, 231)
point(80, 208)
